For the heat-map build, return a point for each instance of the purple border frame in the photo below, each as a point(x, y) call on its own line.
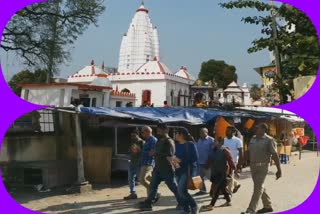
point(18, 107)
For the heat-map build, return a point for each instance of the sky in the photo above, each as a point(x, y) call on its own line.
point(190, 33)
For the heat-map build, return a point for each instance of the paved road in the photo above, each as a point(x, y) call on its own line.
point(298, 181)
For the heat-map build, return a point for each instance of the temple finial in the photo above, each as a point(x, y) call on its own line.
point(142, 2)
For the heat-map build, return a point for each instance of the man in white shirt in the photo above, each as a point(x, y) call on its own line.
point(236, 147)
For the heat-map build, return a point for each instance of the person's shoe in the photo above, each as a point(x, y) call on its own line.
point(206, 208)
point(200, 193)
point(157, 198)
point(236, 188)
point(131, 196)
point(146, 207)
point(265, 210)
point(179, 207)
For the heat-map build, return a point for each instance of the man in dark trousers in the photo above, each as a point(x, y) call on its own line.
point(221, 166)
point(133, 171)
point(163, 170)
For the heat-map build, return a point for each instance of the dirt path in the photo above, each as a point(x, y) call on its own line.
point(298, 181)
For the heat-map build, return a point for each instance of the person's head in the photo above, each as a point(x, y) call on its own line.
point(204, 132)
point(162, 129)
point(134, 135)
point(146, 132)
point(183, 135)
point(230, 132)
point(218, 142)
point(165, 102)
point(261, 129)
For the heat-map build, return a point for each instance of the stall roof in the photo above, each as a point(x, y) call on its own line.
point(284, 114)
point(194, 116)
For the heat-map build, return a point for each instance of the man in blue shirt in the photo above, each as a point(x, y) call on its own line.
point(147, 158)
point(204, 147)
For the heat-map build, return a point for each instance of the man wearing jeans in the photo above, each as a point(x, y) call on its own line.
point(147, 158)
point(135, 150)
point(163, 170)
point(204, 147)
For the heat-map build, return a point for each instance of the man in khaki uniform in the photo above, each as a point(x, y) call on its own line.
point(262, 147)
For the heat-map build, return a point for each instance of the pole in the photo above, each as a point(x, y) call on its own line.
point(80, 167)
point(276, 49)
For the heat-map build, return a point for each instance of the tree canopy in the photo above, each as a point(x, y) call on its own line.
point(26, 76)
point(219, 72)
point(296, 39)
point(255, 92)
point(42, 34)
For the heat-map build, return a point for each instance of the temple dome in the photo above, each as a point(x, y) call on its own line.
point(91, 75)
point(154, 66)
point(183, 72)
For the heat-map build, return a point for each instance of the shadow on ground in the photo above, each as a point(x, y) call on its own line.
point(108, 206)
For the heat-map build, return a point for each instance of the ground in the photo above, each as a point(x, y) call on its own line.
point(298, 181)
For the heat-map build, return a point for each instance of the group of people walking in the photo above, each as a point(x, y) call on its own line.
point(176, 161)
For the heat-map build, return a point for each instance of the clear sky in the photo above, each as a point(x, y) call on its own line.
point(190, 31)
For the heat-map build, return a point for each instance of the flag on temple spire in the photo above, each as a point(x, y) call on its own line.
point(103, 67)
point(93, 71)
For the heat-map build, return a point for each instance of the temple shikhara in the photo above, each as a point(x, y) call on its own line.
point(141, 79)
point(140, 70)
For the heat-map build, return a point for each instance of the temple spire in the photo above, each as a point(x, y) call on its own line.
point(142, 2)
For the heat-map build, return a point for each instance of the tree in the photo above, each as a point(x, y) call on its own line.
point(26, 76)
point(255, 92)
point(42, 34)
point(296, 40)
point(219, 72)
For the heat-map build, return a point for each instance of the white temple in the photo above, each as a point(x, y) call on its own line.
point(235, 94)
point(141, 72)
point(140, 44)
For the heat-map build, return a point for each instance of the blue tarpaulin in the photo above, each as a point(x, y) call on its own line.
point(194, 116)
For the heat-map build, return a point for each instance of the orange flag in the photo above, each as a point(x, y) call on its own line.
point(248, 125)
point(221, 127)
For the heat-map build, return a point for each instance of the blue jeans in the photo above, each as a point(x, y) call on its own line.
point(132, 174)
point(188, 201)
point(169, 179)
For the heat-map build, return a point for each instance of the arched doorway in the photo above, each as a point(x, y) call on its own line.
point(172, 97)
point(179, 98)
point(146, 98)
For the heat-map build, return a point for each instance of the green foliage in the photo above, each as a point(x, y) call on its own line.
point(26, 76)
point(219, 72)
point(297, 39)
point(255, 92)
point(42, 34)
